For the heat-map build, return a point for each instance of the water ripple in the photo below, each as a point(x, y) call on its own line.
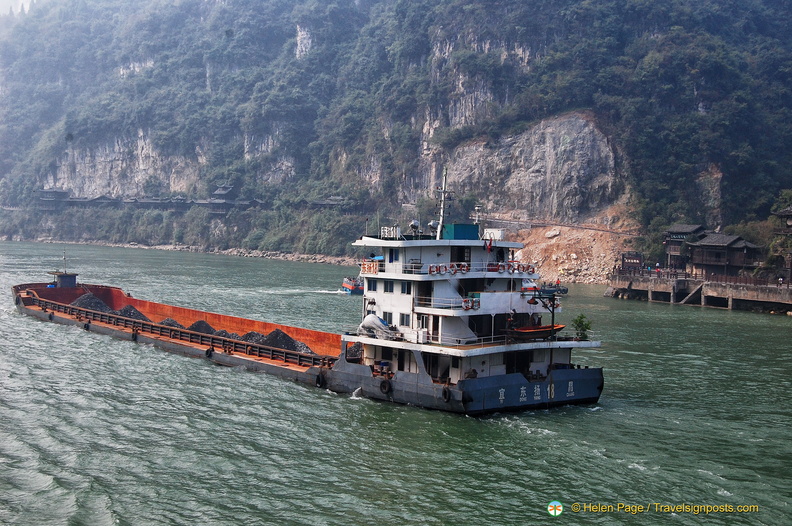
point(99, 431)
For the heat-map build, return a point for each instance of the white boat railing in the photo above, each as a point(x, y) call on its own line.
point(369, 267)
point(481, 341)
point(438, 303)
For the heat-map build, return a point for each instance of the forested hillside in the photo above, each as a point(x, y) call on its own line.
point(298, 100)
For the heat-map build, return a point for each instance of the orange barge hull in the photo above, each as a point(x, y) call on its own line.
point(48, 303)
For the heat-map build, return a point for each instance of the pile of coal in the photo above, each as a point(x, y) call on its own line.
point(91, 302)
point(254, 337)
point(355, 351)
point(281, 340)
point(131, 312)
point(222, 333)
point(201, 326)
point(170, 322)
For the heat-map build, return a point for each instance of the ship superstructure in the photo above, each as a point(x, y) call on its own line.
point(447, 321)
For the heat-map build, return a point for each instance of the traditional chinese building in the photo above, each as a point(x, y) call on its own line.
point(786, 218)
point(52, 199)
point(723, 254)
point(674, 240)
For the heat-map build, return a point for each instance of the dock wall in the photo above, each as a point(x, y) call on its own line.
point(680, 288)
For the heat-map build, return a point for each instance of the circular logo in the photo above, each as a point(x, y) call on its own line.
point(555, 508)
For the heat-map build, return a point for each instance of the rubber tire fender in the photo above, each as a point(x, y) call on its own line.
point(320, 381)
point(446, 394)
point(209, 352)
point(385, 387)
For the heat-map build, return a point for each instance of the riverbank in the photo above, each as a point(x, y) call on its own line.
point(345, 261)
point(560, 253)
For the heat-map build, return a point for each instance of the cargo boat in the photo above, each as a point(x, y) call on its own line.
point(450, 321)
point(439, 314)
point(352, 286)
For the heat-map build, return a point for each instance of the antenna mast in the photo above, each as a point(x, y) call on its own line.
point(442, 203)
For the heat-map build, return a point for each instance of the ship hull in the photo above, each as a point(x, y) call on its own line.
point(479, 396)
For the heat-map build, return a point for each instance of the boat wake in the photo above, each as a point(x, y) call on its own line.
point(293, 292)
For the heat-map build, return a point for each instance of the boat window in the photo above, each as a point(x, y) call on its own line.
point(388, 286)
point(372, 285)
point(406, 287)
point(460, 254)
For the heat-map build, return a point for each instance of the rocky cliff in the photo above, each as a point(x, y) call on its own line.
point(561, 170)
point(125, 167)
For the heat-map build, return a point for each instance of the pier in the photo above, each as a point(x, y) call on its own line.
point(718, 291)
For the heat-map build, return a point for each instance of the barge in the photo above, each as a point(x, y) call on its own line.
point(443, 323)
point(450, 320)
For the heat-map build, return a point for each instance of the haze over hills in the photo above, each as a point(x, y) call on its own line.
point(7, 5)
point(623, 113)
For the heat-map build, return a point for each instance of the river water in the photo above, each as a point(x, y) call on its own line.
point(95, 431)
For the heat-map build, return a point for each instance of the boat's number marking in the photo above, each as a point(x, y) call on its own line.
point(523, 394)
point(571, 388)
point(537, 392)
point(501, 394)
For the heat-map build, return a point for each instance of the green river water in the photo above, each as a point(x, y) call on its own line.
point(96, 431)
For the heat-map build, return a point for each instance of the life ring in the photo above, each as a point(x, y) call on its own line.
point(50, 317)
point(501, 268)
point(446, 394)
point(476, 303)
point(385, 387)
point(529, 269)
point(453, 269)
point(432, 269)
point(511, 268)
point(464, 267)
point(466, 304)
point(320, 381)
point(443, 269)
point(520, 268)
point(209, 352)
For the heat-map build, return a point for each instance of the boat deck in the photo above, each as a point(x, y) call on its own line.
point(200, 343)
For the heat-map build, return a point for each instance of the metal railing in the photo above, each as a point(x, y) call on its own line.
point(227, 345)
point(438, 303)
point(702, 276)
point(452, 268)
